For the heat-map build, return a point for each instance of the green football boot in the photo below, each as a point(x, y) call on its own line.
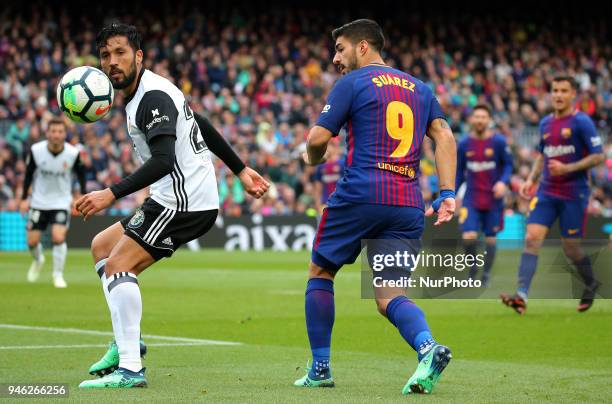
point(428, 371)
point(120, 378)
point(110, 361)
point(323, 379)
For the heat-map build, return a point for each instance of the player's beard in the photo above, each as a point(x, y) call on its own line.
point(480, 131)
point(129, 78)
point(351, 63)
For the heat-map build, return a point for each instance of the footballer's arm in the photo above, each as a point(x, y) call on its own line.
point(526, 189)
point(556, 167)
point(253, 183)
point(316, 145)
point(159, 165)
point(29, 175)
point(446, 165)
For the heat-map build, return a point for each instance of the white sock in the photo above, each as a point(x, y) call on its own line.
point(194, 245)
point(59, 258)
point(125, 297)
point(36, 252)
point(114, 313)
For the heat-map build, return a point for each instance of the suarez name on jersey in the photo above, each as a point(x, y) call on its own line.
point(567, 139)
point(386, 113)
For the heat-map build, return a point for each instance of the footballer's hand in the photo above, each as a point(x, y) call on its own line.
point(446, 210)
point(306, 159)
point(253, 183)
point(556, 168)
point(90, 204)
point(526, 190)
point(499, 190)
point(24, 206)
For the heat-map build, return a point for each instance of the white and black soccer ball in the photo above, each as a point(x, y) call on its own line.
point(85, 94)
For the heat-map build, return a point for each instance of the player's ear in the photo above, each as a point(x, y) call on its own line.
point(139, 56)
point(363, 47)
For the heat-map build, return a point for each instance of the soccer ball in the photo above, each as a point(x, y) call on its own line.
point(85, 94)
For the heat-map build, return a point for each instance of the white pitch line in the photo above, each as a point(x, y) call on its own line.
point(106, 333)
point(161, 344)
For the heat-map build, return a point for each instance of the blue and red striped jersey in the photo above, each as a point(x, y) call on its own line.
point(328, 175)
point(386, 113)
point(567, 139)
point(481, 163)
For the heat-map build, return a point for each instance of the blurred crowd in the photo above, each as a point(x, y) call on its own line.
point(262, 77)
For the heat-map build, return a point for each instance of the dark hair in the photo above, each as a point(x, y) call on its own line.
point(484, 107)
point(119, 29)
point(56, 120)
point(362, 29)
point(569, 79)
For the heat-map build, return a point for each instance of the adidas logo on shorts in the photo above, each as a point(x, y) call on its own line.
point(167, 241)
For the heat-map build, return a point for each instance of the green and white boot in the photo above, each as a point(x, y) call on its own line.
point(120, 378)
point(323, 379)
point(110, 361)
point(428, 371)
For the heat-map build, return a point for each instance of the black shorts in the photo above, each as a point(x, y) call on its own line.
point(41, 219)
point(160, 231)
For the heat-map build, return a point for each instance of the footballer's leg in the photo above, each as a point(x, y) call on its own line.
point(490, 251)
point(101, 247)
point(337, 242)
point(410, 321)
point(470, 245)
point(126, 261)
point(152, 233)
point(543, 213)
point(36, 224)
point(58, 238)
point(574, 252)
point(572, 222)
point(534, 237)
point(493, 224)
point(38, 258)
point(470, 225)
point(320, 314)
point(406, 226)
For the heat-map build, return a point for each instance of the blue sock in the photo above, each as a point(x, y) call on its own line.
point(585, 269)
point(527, 268)
point(470, 249)
point(319, 323)
point(410, 321)
point(490, 249)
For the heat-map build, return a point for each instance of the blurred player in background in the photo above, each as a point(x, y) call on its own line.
point(386, 113)
point(568, 148)
point(327, 175)
point(49, 170)
point(173, 144)
point(484, 162)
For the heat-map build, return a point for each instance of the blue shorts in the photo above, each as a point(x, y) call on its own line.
point(490, 222)
point(344, 224)
point(572, 214)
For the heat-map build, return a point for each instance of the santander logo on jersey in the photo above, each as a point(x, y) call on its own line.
point(478, 166)
point(559, 150)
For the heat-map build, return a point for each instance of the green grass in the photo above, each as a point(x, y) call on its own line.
point(551, 354)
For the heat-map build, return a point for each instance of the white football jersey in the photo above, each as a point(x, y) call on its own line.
point(158, 107)
point(52, 181)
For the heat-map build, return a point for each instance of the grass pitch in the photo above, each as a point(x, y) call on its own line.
point(551, 354)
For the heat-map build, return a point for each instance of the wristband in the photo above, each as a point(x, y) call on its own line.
point(444, 194)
